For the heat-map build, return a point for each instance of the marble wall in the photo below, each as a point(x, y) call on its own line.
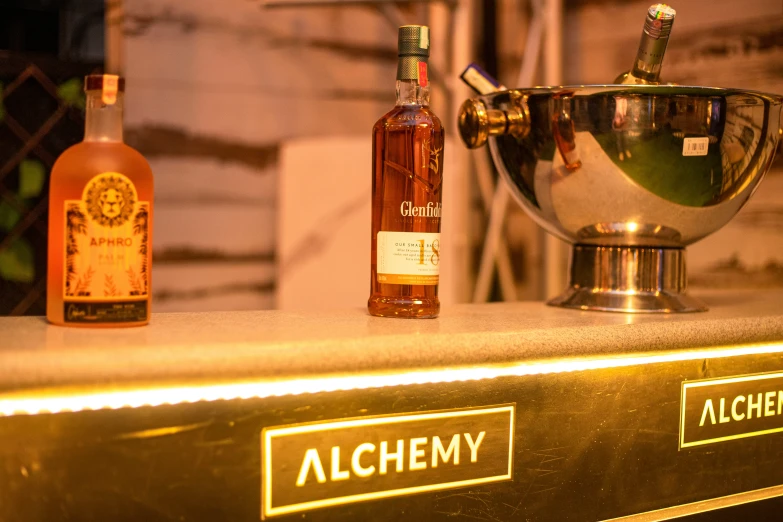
point(215, 91)
point(250, 115)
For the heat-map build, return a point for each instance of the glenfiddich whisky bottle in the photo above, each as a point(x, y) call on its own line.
point(100, 221)
point(655, 36)
point(407, 174)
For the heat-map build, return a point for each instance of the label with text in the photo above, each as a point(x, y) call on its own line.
point(408, 258)
point(314, 465)
point(695, 146)
point(717, 410)
point(113, 312)
point(106, 252)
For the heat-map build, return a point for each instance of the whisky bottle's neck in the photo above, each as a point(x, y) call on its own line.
point(103, 122)
point(409, 92)
point(413, 85)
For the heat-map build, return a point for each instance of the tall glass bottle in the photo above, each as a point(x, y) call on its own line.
point(407, 194)
point(100, 221)
point(655, 36)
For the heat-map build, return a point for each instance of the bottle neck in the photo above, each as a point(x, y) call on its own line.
point(647, 64)
point(655, 37)
point(103, 122)
point(409, 92)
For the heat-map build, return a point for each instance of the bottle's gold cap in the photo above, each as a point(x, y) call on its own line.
point(108, 84)
point(660, 18)
point(95, 82)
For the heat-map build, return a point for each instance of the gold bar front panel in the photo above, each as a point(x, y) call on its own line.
point(591, 443)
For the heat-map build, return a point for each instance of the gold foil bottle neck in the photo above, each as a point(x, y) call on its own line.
point(659, 21)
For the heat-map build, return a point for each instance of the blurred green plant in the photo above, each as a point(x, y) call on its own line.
point(17, 261)
point(71, 93)
point(9, 216)
point(32, 176)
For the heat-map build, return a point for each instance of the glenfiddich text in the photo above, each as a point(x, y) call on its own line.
point(431, 210)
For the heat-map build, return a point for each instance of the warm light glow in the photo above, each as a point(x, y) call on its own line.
point(632, 226)
point(31, 402)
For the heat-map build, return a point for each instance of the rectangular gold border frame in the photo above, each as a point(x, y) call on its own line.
point(266, 456)
point(713, 382)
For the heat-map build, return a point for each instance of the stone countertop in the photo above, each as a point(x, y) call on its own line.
point(275, 345)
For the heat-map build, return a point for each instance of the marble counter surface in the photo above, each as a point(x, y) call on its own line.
point(273, 345)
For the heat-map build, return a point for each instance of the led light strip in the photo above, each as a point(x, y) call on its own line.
point(58, 400)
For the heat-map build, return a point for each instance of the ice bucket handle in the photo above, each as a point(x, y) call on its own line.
point(477, 123)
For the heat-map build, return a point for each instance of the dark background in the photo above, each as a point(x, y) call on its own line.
point(46, 47)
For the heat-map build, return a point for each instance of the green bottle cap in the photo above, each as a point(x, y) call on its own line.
point(413, 46)
point(413, 40)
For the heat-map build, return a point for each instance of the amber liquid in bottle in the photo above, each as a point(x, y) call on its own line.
point(406, 201)
point(100, 226)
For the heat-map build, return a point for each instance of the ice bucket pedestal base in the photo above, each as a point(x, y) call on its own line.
point(628, 279)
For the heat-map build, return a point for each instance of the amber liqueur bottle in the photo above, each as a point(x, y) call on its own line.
point(100, 221)
point(407, 175)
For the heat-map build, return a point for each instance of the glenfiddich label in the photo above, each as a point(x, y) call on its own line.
point(314, 465)
point(717, 410)
point(106, 242)
point(408, 258)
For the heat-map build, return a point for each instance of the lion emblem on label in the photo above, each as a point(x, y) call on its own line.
point(110, 199)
